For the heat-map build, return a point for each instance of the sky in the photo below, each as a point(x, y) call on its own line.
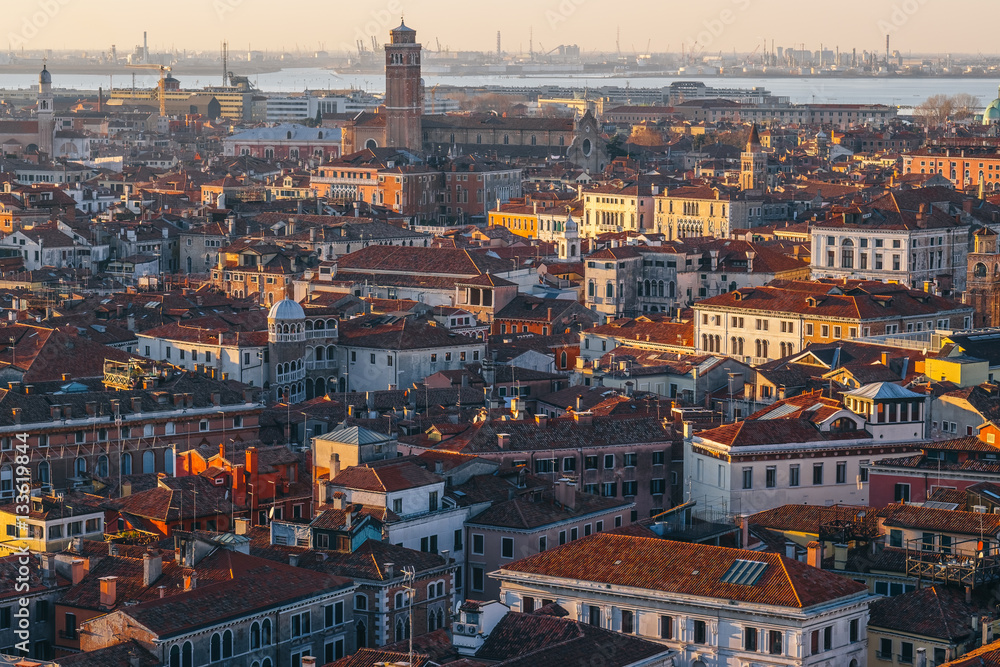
point(915, 26)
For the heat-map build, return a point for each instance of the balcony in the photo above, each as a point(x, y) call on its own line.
point(293, 376)
point(327, 364)
point(69, 634)
point(321, 333)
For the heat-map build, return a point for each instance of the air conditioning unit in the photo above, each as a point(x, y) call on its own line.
point(471, 630)
point(459, 628)
point(979, 509)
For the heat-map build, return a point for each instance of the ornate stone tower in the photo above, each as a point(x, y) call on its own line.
point(286, 343)
point(45, 111)
point(983, 279)
point(753, 164)
point(569, 246)
point(403, 90)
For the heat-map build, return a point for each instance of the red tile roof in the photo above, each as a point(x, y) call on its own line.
point(696, 570)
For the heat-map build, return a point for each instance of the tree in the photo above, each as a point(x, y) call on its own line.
point(939, 109)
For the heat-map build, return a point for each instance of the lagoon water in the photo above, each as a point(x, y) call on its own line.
point(903, 91)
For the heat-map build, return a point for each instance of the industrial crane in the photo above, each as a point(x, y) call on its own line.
point(164, 70)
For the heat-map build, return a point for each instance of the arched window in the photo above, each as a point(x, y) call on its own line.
point(563, 360)
point(43, 472)
point(175, 656)
point(266, 663)
point(169, 428)
point(80, 467)
point(187, 655)
point(102, 465)
point(591, 289)
point(227, 644)
point(148, 462)
point(265, 632)
point(847, 254)
point(361, 635)
point(980, 270)
point(609, 290)
point(255, 636)
point(215, 648)
point(126, 464)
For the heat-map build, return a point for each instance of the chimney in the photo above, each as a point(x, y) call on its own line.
point(968, 595)
point(136, 404)
point(222, 450)
point(439, 467)
point(565, 490)
point(126, 489)
point(190, 580)
point(109, 591)
point(66, 377)
point(688, 430)
point(503, 440)
point(542, 420)
point(815, 557)
point(76, 570)
point(293, 560)
point(308, 661)
point(338, 500)
point(242, 526)
point(840, 556)
point(584, 418)
point(17, 415)
point(348, 516)
point(152, 568)
point(48, 568)
point(921, 660)
point(388, 570)
point(163, 591)
point(790, 550)
point(334, 464)
point(251, 461)
point(885, 357)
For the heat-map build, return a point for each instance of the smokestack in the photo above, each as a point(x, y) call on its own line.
point(145, 48)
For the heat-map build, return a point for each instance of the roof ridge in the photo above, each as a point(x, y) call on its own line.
point(791, 582)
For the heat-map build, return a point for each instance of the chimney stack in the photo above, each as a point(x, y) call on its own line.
point(388, 570)
point(815, 557)
point(76, 570)
point(840, 556)
point(190, 580)
point(308, 661)
point(503, 440)
point(109, 591)
point(152, 568)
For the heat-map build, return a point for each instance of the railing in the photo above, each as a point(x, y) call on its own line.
point(68, 634)
point(321, 333)
point(293, 376)
point(961, 563)
point(327, 364)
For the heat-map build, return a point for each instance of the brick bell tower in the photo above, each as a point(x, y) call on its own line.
point(404, 93)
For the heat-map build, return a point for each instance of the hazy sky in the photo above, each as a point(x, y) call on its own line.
point(915, 25)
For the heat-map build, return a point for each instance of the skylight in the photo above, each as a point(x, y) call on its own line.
point(744, 572)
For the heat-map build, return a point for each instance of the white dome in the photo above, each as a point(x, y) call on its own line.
point(286, 309)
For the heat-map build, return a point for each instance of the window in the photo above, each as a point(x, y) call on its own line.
point(700, 636)
point(630, 488)
point(863, 470)
point(658, 458)
point(774, 642)
point(793, 475)
point(507, 547)
point(630, 460)
point(333, 614)
point(429, 544)
point(562, 537)
point(478, 544)
point(854, 631)
point(817, 474)
point(841, 472)
point(590, 463)
point(885, 649)
point(666, 627)
point(477, 578)
point(215, 648)
point(458, 540)
point(771, 477)
point(828, 638)
point(748, 478)
point(628, 622)
point(542, 543)
point(574, 534)
point(594, 615)
point(301, 624)
point(432, 501)
point(901, 493)
point(609, 461)
point(227, 644)
point(895, 538)
point(749, 639)
point(609, 489)
point(397, 505)
point(657, 486)
point(586, 530)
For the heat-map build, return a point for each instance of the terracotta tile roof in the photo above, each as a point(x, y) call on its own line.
point(902, 515)
point(687, 569)
point(390, 332)
point(647, 329)
point(938, 612)
point(370, 657)
point(984, 656)
point(386, 477)
point(439, 261)
point(525, 514)
point(541, 641)
point(560, 433)
point(127, 653)
point(256, 584)
point(753, 432)
point(798, 518)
